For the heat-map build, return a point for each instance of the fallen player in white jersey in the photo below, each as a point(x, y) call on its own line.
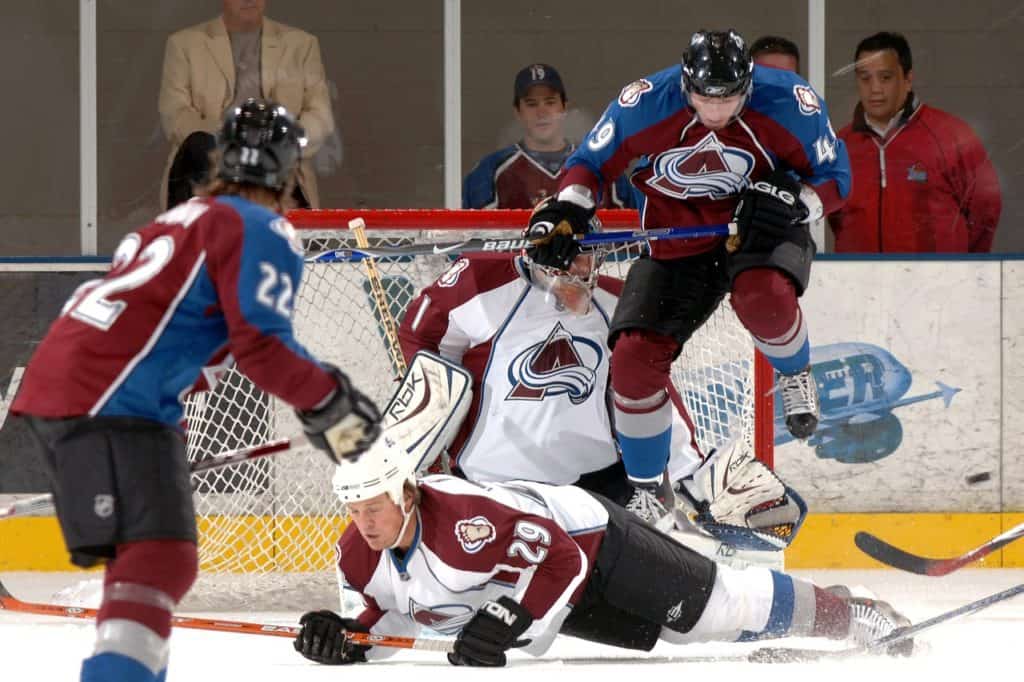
point(535, 341)
point(507, 565)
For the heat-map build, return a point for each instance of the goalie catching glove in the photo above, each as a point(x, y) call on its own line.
point(345, 424)
point(493, 630)
point(322, 639)
point(553, 226)
point(737, 500)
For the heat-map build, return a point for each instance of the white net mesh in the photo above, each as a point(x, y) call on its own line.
point(268, 529)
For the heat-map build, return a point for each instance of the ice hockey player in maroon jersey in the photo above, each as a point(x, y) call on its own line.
point(209, 281)
point(719, 140)
point(509, 565)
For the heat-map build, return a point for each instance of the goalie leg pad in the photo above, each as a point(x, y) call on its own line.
point(741, 502)
point(427, 409)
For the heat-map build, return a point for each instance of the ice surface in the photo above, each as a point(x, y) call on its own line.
point(35, 648)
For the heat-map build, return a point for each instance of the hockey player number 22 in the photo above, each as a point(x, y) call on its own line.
point(528, 533)
point(91, 303)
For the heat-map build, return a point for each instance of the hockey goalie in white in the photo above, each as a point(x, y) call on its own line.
point(534, 341)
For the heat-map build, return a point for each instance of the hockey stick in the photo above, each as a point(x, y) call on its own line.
point(882, 551)
point(380, 297)
point(43, 502)
point(11, 603)
point(787, 655)
point(478, 244)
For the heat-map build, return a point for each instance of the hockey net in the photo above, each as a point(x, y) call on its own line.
point(268, 529)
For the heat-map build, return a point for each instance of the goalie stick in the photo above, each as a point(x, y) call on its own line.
point(882, 551)
point(790, 655)
point(43, 502)
point(9, 602)
point(478, 244)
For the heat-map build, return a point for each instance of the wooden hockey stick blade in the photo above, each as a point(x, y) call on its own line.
point(11, 603)
point(43, 502)
point(478, 244)
point(792, 655)
point(882, 551)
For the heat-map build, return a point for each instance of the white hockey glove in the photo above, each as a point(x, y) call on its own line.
point(739, 501)
point(345, 425)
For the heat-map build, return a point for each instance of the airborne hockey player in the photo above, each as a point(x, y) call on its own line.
point(506, 565)
point(534, 339)
point(210, 280)
point(719, 140)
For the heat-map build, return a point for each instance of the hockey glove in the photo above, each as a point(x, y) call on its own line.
point(552, 227)
point(346, 425)
point(322, 639)
point(771, 208)
point(490, 633)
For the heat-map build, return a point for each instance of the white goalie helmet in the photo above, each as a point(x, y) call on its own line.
point(384, 468)
point(571, 290)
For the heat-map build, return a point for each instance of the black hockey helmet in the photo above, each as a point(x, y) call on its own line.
point(260, 143)
point(717, 64)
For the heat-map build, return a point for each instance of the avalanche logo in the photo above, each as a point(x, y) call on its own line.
point(630, 95)
point(447, 619)
point(707, 169)
point(561, 364)
point(451, 276)
point(806, 100)
point(474, 533)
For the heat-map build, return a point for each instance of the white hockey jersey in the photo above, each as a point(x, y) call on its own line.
point(541, 376)
point(477, 542)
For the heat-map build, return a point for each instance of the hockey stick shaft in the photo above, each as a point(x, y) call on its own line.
point(11, 603)
point(380, 297)
point(477, 244)
point(890, 555)
point(43, 502)
point(784, 655)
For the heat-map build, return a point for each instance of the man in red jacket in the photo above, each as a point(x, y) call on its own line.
point(922, 181)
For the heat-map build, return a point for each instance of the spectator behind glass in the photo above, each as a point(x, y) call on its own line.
point(776, 52)
point(521, 175)
point(220, 63)
point(922, 181)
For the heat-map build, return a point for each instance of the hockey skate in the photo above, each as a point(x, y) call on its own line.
point(653, 504)
point(871, 619)
point(799, 402)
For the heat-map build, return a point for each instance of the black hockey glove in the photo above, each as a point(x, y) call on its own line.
point(552, 227)
point(322, 639)
point(770, 207)
point(490, 633)
point(346, 426)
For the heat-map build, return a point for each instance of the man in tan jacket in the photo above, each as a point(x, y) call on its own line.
point(217, 64)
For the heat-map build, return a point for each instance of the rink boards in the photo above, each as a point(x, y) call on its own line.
point(920, 369)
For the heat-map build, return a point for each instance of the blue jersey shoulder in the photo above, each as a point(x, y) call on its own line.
point(478, 185)
point(790, 100)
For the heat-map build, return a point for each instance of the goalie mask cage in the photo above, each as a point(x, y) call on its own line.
point(268, 529)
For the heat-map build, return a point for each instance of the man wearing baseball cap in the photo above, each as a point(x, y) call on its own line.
point(522, 174)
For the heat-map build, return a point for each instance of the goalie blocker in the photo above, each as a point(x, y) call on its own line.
point(424, 414)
